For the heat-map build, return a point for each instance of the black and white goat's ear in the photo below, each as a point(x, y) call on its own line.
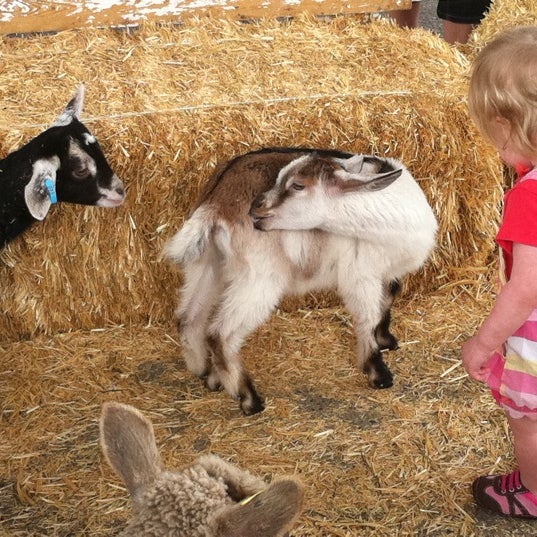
point(128, 443)
point(270, 513)
point(40, 192)
point(72, 110)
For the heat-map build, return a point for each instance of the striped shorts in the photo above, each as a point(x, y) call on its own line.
point(513, 375)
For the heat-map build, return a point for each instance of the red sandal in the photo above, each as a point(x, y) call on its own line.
point(505, 495)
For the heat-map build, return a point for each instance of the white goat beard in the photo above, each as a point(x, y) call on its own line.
point(108, 203)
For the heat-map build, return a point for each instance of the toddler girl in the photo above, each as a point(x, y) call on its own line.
point(503, 353)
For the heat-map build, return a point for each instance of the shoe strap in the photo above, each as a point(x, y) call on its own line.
point(511, 482)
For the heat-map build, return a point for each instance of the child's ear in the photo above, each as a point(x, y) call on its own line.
point(502, 126)
point(270, 513)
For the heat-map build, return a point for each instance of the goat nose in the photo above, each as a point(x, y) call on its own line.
point(120, 190)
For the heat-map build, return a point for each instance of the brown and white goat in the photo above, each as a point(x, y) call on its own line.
point(353, 223)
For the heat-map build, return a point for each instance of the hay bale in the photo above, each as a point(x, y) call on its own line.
point(167, 102)
point(501, 16)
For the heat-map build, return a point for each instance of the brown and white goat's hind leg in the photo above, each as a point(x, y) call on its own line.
point(365, 304)
point(385, 339)
point(199, 294)
point(248, 302)
point(228, 371)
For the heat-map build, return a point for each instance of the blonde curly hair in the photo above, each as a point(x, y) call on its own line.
point(503, 86)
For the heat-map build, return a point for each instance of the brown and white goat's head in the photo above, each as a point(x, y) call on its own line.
point(71, 166)
point(306, 188)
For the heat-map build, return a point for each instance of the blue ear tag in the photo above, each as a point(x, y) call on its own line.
point(49, 185)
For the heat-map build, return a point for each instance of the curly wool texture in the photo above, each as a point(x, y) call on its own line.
point(179, 504)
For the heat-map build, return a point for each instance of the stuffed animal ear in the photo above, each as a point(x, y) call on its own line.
point(72, 110)
point(270, 513)
point(128, 443)
point(40, 192)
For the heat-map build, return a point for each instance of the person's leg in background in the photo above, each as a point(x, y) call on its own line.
point(460, 17)
point(406, 18)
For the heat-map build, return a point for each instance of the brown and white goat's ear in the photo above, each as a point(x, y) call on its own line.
point(353, 164)
point(349, 182)
point(72, 110)
point(270, 513)
point(40, 191)
point(128, 443)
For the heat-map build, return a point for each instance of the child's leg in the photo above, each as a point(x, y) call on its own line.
point(525, 444)
point(513, 494)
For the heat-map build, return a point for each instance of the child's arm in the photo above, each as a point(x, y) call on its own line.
point(514, 304)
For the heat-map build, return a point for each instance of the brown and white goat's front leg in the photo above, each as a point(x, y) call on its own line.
point(247, 302)
point(365, 300)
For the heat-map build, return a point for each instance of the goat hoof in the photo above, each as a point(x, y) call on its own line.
point(382, 377)
point(381, 384)
point(212, 383)
point(252, 404)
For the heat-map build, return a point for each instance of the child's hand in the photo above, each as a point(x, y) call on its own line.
point(475, 358)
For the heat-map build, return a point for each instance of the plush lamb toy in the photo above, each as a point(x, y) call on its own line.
point(210, 498)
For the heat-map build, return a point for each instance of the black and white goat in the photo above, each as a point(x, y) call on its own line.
point(353, 223)
point(64, 163)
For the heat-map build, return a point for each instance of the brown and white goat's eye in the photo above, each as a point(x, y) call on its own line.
point(297, 186)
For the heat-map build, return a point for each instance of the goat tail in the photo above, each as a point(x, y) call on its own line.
point(191, 241)
point(198, 233)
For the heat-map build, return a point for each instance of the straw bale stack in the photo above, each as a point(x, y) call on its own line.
point(167, 102)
